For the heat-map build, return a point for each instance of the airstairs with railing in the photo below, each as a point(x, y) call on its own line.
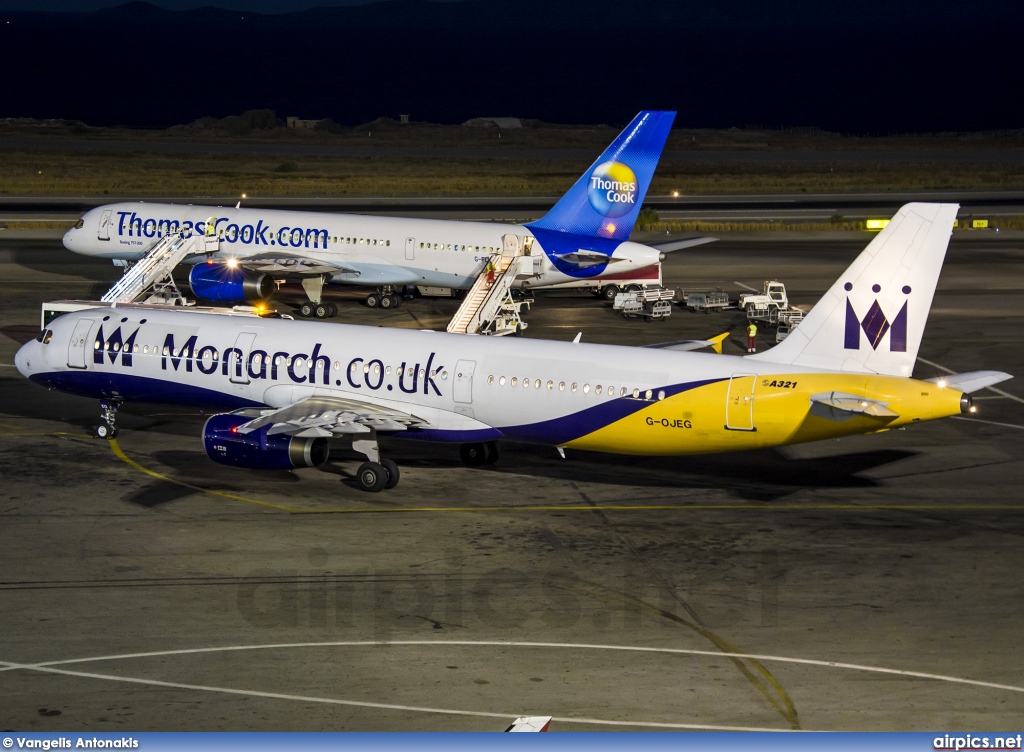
point(489, 306)
point(150, 278)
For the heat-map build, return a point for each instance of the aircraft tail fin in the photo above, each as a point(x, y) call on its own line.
point(873, 317)
point(606, 200)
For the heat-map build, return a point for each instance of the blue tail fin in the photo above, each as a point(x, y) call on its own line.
point(606, 200)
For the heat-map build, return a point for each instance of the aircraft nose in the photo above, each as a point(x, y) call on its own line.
point(23, 359)
point(69, 239)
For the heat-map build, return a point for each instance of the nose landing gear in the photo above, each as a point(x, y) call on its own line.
point(108, 428)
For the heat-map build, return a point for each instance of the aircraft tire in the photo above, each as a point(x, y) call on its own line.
point(396, 301)
point(373, 300)
point(306, 310)
point(104, 431)
point(491, 449)
point(322, 311)
point(608, 292)
point(393, 472)
point(333, 310)
point(473, 455)
point(372, 477)
point(386, 302)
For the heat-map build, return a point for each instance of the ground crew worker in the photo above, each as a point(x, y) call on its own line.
point(752, 337)
point(211, 226)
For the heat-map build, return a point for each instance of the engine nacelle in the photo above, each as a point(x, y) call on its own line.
point(229, 284)
point(257, 450)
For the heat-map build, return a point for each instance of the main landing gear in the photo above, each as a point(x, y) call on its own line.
point(319, 310)
point(385, 298)
point(315, 306)
point(375, 474)
point(108, 428)
point(478, 455)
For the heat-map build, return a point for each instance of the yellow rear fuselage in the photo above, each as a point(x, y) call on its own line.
point(754, 412)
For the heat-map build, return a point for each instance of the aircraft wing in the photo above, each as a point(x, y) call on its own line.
point(972, 381)
point(840, 406)
point(685, 345)
point(677, 245)
point(283, 266)
point(331, 416)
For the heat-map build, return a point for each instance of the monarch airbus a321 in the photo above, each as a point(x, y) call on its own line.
point(293, 385)
point(585, 236)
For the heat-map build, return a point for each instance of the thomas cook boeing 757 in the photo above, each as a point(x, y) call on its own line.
point(584, 236)
point(292, 385)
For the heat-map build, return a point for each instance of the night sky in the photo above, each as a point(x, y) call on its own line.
point(872, 66)
point(258, 6)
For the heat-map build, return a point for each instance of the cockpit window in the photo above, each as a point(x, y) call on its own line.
point(80, 224)
point(44, 336)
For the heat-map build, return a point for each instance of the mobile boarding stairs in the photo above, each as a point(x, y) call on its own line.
point(489, 307)
point(150, 277)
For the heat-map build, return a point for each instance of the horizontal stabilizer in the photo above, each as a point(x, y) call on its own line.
point(840, 406)
point(972, 381)
point(583, 257)
point(685, 345)
point(678, 245)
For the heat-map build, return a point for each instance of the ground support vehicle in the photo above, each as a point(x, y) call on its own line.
point(771, 305)
point(651, 303)
point(704, 301)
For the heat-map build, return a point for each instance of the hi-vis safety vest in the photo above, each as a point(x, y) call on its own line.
point(211, 226)
point(752, 330)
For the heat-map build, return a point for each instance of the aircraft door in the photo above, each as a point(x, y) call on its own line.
point(509, 245)
point(104, 230)
point(739, 404)
point(78, 347)
point(462, 389)
point(239, 360)
point(410, 249)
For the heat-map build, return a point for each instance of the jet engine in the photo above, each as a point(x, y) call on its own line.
point(229, 284)
point(258, 450)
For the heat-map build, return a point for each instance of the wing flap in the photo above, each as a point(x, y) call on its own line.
point(331, 416)
point(294, 266)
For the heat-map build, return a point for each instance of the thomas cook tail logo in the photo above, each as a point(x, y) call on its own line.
point(875, 324)
point(612, 190)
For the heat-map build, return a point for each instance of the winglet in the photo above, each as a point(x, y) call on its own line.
point(530, 723)
point(716, 342)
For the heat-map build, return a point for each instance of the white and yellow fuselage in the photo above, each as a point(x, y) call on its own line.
point(465, 389)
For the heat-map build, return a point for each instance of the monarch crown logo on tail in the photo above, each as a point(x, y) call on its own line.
point(875, 324)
